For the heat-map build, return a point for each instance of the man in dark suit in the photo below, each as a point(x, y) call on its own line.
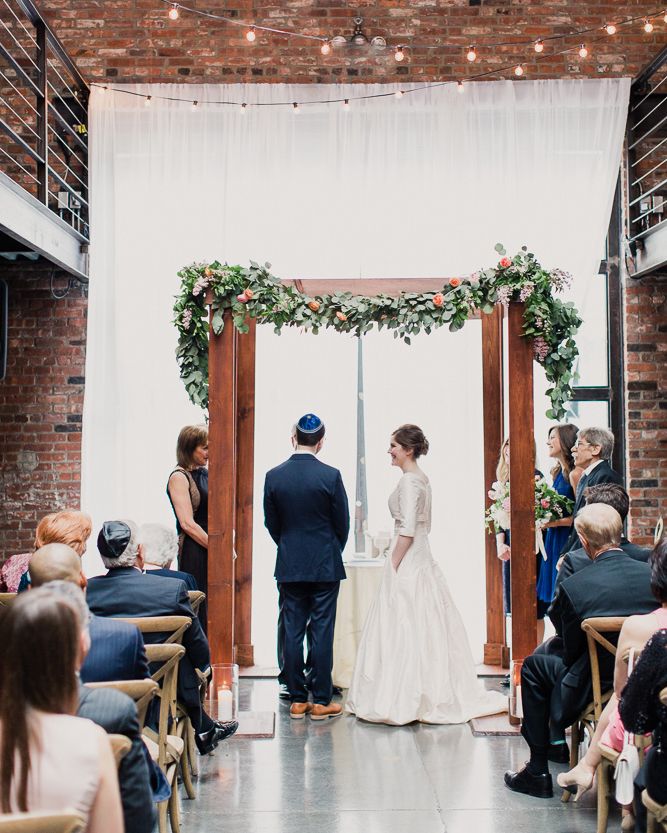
point(591, 452)
point(557, 686)
point(126, 591)
point(613, 495)
point(307, 515)
point(159, 546)
point(116, 648)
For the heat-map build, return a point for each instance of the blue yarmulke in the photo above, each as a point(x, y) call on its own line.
point(309, 424)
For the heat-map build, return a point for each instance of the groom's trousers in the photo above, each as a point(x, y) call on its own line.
point(280, 644)
point(307, 602)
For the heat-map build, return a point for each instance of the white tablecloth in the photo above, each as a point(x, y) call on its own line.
point(354, 599)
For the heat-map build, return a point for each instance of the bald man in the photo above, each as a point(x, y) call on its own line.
point(116, 648)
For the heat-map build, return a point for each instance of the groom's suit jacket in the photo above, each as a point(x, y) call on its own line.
point(602, 473)
point(307, 515)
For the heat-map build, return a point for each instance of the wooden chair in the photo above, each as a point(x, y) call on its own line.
point(6, 599)
point(594, 628)
point(197, 598)
point(120, 746)
point(175, 626)
point(141, 691)
point(65, 822)
point(167, 745)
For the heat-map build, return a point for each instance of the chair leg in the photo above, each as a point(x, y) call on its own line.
point(186, 770)
point(574, 757)
point(174, 810)
point(603, 798)
point(651, 826)
point(162, 813)
point(192, 751)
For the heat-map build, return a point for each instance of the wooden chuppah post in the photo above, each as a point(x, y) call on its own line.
point(522, 485)
point(245, 473)
point(222, 490)
point(496, 651)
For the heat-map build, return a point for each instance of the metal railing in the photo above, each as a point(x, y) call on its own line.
point(647, 153)
point(43, 114)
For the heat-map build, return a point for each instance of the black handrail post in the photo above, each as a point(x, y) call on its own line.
point(42, 113)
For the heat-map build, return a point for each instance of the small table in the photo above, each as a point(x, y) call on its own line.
point(354, 600)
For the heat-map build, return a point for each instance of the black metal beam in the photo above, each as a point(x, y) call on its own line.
point(20, 141)
point(20, 72)
point(615, 329)
point(642, 79)
point(42, 115)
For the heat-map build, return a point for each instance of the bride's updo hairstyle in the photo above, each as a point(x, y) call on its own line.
point(412, 438)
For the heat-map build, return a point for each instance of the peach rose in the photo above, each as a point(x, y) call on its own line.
point(341, 316)
point(455, 282)
point(314, 305)
point(438, 299)
point(243, 298)
point(248, 293)
point(208, 271)
point(505, 262)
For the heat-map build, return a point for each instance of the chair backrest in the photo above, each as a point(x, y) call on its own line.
point(120, 746)
point(663, 696)
point(175, 626)
point(167, 657)
point(196, 600)
point(7, 598)
point(66, 822)
point(595, 628)
point(141, 691)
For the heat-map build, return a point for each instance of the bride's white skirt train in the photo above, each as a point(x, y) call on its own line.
point(414, 660)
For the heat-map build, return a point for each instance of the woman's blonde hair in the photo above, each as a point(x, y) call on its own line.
point(189, 439)
point(69, 527)
point(503, 467)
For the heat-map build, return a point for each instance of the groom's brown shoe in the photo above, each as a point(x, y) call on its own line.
point(297, 711)
point(321, 712)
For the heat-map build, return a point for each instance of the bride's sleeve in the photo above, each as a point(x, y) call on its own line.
point(408, 502)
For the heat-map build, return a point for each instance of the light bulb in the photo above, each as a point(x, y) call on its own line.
point(250, 35)
point(295, 108)
point(539, 46)
point(471, 54)
point(648, 26)
point(325, 48)
point(173, 12)
point(518, 70)
point(346, 104)
point(244, 107)
point(459, 87)
point(665, 17)
point(610, 29)
point(147, 103)
point(583, 52)
point(194, 105)
point(102, 90)
point(399, 54)
point(399, 93)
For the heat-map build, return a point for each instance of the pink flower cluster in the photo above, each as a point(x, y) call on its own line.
point(505, 295)
point(560, 280)
point(200, 285)
point(540, 348)
point(186, 319)
point(526, 291)
point(546, 503)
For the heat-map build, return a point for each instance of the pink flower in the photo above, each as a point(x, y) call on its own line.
point(243, 298)
point(438, 299)
point(540, 348)
point(506, 504)
point(186, 319)
point(455, 282)
point(505, 262)
point(546, 503)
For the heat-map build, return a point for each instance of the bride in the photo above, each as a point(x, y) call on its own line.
point(414, 661)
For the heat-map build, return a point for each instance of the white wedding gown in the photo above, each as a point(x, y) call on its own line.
point(414, 660)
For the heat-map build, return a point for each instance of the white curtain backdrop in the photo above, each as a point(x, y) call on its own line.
point(417, 187)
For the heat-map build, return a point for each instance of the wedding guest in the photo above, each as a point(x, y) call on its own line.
point(592, 453)
point(69, 526)
point(307, 514)
point(12, 572)
point(187, 490)
point(557, 686)
point(565, 476)
point(160, 549)
point(414, 660)
point(51, 761)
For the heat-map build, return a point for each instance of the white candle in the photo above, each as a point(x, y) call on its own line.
point(225, 704)
point(519, 704)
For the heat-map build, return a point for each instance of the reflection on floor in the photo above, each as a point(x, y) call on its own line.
point(351, 777)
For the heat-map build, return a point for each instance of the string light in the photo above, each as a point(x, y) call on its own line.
point(539, 46)
point(147, 103)
point(173, 12)
point(295, 108)
point(244, 107)
point(471, 55)
point(325, 49)
point(583, 52)
point(665, 17)
point(459, 87)
point(518, 70)
point(399, 54)
point(399, 94)
point(610, 28)
point(250, 35)
point(194, 105)
point(346, 104)
point(648, 26)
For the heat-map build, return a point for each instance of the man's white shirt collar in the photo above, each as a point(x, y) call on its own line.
point(591, 467)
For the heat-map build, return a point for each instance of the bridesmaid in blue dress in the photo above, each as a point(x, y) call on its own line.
point(565, 477)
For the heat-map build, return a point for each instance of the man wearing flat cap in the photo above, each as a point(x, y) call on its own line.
point(307, 514)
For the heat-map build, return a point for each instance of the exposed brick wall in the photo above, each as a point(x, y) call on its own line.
point(41, 402)
point(646, 404)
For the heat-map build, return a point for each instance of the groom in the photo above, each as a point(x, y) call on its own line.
point(307, 515)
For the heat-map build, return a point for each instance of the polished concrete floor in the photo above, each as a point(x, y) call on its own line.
point(345, 776)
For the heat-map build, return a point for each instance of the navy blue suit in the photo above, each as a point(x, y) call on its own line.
point(602, 473)
point(188, 578)
point(126, 592)
point(307, 514)
point(116, 652)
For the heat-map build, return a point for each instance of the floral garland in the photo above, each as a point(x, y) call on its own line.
point(254, 291)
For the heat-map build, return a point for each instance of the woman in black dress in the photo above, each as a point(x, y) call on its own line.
point(187, 490)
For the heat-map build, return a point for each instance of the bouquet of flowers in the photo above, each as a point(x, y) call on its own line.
point(549, 506)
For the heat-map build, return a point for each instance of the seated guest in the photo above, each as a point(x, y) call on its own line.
point(642, 711)
point(592, 453)
point(69, 527)
point(52, 761)
point(557, 686)
point(12, 572)
point(613, 495)
point(159, 545)
point(116, 648)
point(636, 631)
point(126, 591)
